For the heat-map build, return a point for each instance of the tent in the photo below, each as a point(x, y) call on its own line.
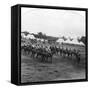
point(30, 37)
point(60, 41)
point(74, 41)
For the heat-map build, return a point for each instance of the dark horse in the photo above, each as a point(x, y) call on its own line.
point(45, 56)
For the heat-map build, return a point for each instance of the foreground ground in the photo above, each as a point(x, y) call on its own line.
point(32, 70)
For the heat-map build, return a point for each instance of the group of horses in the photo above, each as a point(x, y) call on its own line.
point(46, 52)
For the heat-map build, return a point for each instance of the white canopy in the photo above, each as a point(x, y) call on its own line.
point(60, 41)
point(74, 41)
point(30, 37)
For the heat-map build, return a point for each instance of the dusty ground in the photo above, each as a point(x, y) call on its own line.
point(32, 70)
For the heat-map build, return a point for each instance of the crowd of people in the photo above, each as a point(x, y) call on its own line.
point(46, 51)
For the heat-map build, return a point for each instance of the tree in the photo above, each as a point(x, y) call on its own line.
point(40, 35)
point(26, 33)
point(82, 39)
point(71, 39)
point(64, 38)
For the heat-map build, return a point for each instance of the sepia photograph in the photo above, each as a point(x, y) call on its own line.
point(53, 45)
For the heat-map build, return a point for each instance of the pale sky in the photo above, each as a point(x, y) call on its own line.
point(53, 22)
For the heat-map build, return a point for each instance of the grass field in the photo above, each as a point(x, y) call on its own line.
point(61, 68)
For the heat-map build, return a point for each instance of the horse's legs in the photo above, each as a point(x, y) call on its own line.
point(51, 59)
point(78, 60)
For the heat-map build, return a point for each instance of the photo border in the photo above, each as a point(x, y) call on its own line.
point(19, 42)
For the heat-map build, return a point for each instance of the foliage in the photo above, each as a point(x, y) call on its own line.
point(82, 39)
point(26, 33)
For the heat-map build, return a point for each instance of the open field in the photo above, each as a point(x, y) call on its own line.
point(61, 68)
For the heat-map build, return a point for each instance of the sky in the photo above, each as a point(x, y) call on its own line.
point(53, 22)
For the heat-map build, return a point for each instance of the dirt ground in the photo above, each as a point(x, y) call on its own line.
point(61, 68)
